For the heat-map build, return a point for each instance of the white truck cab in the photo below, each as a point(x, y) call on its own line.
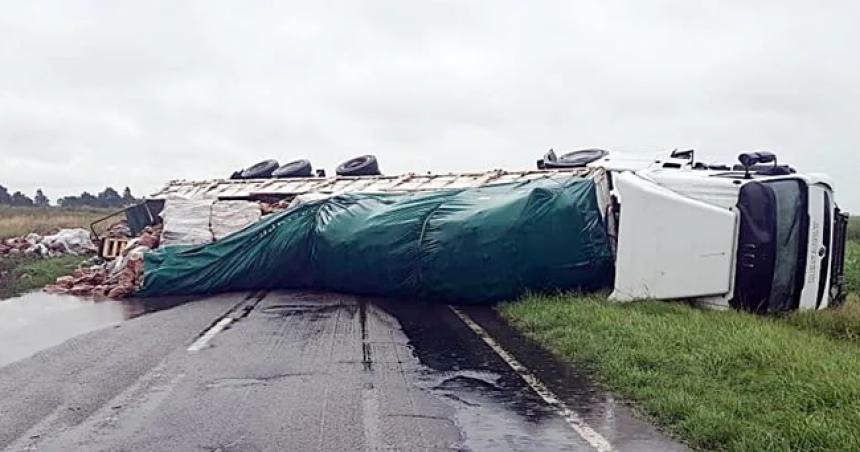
point(760, 238)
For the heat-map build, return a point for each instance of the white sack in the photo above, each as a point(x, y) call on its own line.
point(69, 241)
point(186, 222)
point(233, 216)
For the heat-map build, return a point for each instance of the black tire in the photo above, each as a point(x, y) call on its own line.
point(548, 157)
point(262, 170)
point(299, 168)
point(366, 165)
point(575, 159)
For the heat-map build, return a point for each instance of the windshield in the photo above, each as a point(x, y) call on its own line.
point(790, 218)
point(772, 240)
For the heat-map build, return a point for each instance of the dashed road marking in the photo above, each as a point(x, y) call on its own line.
point(592, 437)
point(236, 313)
point(209, 334)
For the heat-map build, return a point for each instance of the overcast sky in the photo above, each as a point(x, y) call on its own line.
point(137, 93)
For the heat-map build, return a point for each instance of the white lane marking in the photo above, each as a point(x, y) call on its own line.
point(596, 440)
point(209, 334)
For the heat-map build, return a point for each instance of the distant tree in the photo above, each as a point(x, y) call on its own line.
point(40, 200)
point(108, 198)
point(68, 202)
point(21, 200)
point(127, 197)
point(5, 198)
point(86, 199)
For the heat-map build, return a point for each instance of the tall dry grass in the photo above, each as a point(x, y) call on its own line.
point(16, 221)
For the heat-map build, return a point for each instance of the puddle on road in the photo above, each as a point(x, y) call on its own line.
point(494, 407)
point(39, 320)
point(490, 405)
point(497, 418)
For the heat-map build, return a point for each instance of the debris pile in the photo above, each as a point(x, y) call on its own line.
point(83, 281)
point(75, 242)
point(149, 238)
point(116, 279)
point(119, 230)
point(184, 223)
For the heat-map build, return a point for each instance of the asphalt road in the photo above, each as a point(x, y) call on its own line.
point(303, 371)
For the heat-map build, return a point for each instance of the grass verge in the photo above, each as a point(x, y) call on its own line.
point(854, 228)
point(22, 274)
point(852, 266)
point(719, 380)
point(842, 322)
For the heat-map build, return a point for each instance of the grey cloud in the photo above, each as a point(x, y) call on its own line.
point(136, 93)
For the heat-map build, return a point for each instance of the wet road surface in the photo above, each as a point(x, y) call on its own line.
point(298, 371)
point(38, 320)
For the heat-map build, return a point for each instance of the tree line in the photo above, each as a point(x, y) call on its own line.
point(108, 198)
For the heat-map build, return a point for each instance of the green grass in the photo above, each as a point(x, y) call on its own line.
point(854, 228)
point(842, 322)
point(852, 266)
point(23, 274)
point(17, 221)
point(719, 380)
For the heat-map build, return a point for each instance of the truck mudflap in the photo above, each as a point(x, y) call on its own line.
point(837, 263)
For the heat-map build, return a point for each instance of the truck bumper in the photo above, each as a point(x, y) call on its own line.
point(837, 263)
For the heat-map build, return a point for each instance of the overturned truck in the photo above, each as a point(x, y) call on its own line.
point(758, 236)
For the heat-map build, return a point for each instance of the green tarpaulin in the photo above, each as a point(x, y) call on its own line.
point(475, 245)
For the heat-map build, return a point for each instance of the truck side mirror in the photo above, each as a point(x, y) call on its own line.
point(766, 157)
point(688, 154)
point(750, 159)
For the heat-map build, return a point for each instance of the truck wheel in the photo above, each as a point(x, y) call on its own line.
point(366, 165)
point(299, 168)
point(261, 170)
point(548, 157)
point(575, 159)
